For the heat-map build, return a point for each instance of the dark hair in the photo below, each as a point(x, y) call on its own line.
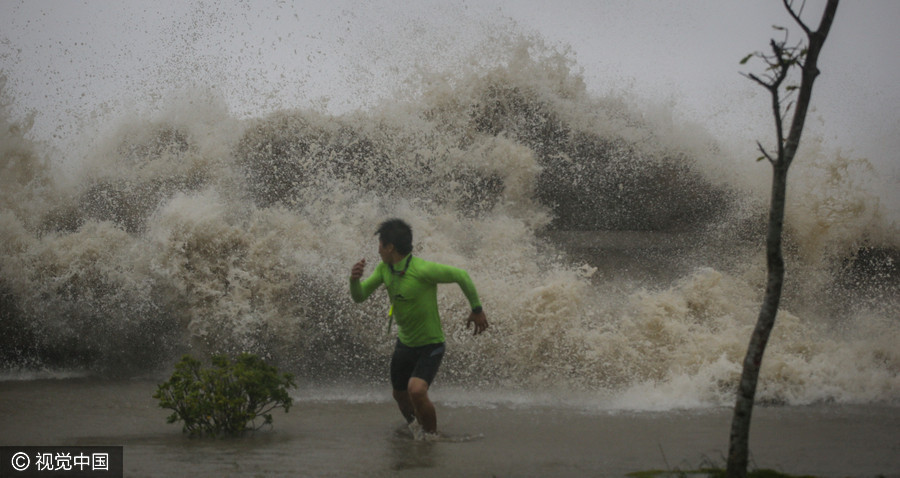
point(396, 232)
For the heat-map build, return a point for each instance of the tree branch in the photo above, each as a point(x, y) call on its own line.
point(789, 6)
point(765, 153)
point(809, 73)
point(756, 79)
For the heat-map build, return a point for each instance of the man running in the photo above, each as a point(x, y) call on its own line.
point(411, 284)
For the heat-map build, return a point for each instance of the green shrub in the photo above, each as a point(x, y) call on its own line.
point(226, 398)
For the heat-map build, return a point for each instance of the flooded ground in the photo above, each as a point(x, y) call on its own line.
point(360, 435)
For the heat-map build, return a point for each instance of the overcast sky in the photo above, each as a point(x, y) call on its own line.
point(62, 59)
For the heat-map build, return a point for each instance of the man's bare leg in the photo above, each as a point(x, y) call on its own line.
point(424, 409)
point(405, 405)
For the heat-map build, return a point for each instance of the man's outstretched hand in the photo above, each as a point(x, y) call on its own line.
point(358, 268)
point(480, 321)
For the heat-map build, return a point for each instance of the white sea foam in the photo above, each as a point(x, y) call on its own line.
point(191, 228)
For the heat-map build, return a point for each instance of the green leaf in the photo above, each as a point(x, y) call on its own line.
point(746, 59)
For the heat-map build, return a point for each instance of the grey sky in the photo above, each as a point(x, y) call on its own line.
point(62, 59)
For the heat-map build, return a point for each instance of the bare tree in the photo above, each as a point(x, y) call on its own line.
point(780, 62)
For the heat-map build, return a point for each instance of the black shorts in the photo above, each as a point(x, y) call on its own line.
point(420, 362)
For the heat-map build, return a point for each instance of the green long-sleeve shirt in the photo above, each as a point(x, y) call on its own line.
point(413, 297)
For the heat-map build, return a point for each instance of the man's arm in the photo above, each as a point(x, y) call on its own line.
point(361, 290)
point(443, 274)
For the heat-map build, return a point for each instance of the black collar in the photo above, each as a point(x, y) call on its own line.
point(400, 273)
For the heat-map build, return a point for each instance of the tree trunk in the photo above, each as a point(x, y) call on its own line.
point(743, 409)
